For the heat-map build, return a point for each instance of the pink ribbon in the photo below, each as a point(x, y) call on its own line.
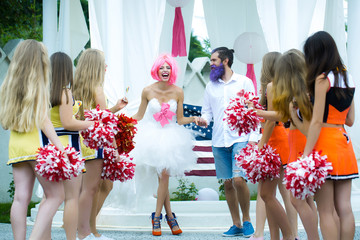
point(178, 41)
point(164, 115)
point(251, 74)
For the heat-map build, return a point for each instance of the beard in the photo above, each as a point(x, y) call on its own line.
point(216, 72)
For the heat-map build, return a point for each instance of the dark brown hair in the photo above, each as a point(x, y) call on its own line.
point(322, 57)
point(62, 76)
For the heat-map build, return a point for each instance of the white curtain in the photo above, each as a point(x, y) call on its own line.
point(353, 67)
point(335, 25)
point(226, 20)
point(73, 32)
point(50, 26)
point(129, 34)
point(285, 24)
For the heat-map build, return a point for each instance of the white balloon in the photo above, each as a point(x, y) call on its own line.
point(250, 47)
point(178, 3)
point(207, 194)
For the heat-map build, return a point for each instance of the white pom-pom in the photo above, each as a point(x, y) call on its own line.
point(239, 117)
point(259, 164)
point(304, 176)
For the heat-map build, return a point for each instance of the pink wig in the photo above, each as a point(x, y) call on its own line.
point(165, 58)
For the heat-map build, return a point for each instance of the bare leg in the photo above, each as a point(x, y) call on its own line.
point(337, 221)
point(232, 201)
point(274, 210)
point(308, 215)
point(260, 214)
point(325, 203)
point(98, 201)
point(168, 209)
point(24, 179)
point(243, 196)
point(290, 210)
point(162, 193)
point(90, 185)
point(54, 192)
point(342, 196)
point(71, 210)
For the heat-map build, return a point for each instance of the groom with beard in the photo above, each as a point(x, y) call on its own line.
point(224, 84)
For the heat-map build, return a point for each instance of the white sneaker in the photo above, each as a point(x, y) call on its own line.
point(102, 237)
point(90, 237)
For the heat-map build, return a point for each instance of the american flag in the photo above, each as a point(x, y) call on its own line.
point(205, 162)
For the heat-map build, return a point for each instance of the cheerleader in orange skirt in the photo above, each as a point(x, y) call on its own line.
point(289, 84)
point(276, 136)
point(332, 89)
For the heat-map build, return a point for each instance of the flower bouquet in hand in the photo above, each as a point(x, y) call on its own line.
point(126, 133)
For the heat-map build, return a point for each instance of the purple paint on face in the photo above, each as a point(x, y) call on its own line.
point(216, 72)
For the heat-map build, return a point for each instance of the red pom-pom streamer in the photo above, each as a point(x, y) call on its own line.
point(259, 164)
point(241, 118)
point(127, 131)
point(53, 165)
point(123, 170)
point(307, 174)
point(102, 133)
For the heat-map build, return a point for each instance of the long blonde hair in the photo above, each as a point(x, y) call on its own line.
point(267, 73)
point(24, 94)
point(289, 83)
point(89, 74)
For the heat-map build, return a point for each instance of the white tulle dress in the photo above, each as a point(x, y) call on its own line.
point(160, 143)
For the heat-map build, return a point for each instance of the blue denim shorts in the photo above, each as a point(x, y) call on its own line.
point(225, 161)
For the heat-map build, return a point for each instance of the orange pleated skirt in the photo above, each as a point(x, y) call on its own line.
point(336, 144)
point(279, 142)
point(297, 142)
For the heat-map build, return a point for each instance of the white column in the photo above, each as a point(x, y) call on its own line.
point(50, 24)
point(353, 67)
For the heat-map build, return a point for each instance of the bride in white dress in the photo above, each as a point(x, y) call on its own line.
point(161, 144)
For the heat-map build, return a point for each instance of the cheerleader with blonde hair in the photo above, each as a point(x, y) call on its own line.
point(24, 110)
point(289, 89)
point(276, 136)
point(88, 88)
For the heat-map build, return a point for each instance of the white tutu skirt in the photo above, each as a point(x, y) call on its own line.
point(164, 148)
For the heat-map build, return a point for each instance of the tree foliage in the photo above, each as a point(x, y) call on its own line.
point(20, 19)
point(197, 49)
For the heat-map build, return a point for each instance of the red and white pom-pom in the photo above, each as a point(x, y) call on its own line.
point(259, 164)
point(307, 174)
point(53, 164)
point(123, 170)
point(241, 118)
point(102, 133)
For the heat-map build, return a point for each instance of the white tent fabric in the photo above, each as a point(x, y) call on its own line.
point(50, 25)
point(353, 67)
point(226, 20)
point(286, 24)
point(73, 32)
point(129, 34)
point(335, 25)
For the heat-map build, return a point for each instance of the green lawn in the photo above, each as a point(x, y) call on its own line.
point(5, 211)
